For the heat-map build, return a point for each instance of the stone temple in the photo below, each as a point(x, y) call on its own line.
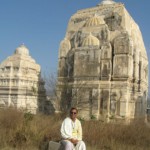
point(20, 82)
point(103, 64)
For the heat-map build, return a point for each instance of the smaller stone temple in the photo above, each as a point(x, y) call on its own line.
point(103, 64)
point(20, 82)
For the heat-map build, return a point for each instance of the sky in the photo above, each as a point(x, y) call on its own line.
point(42, 24)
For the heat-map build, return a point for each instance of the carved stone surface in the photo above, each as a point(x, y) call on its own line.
point(107, 69)
point(20, 82)
point(123, 66)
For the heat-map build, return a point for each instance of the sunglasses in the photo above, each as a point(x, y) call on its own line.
point(73, 113)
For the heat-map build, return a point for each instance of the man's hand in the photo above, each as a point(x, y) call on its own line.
point(74, 141)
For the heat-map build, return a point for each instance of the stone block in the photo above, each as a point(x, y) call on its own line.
point(54, 145)
point(123, 66)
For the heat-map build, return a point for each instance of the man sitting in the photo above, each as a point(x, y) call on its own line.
point(71, 132)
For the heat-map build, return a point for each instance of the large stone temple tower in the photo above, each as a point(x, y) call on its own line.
point(20, 82)
point(103, 64)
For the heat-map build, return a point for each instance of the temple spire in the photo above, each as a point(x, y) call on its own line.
point(105, 2)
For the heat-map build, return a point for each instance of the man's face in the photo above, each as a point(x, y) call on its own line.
point(73, 114)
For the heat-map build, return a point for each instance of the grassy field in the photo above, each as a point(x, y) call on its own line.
point(20, 131)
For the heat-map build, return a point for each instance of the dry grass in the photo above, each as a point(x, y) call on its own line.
point(25, 131)
point(20, 131)
point(135, 136)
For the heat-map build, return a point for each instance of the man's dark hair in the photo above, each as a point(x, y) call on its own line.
point(73, 108)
